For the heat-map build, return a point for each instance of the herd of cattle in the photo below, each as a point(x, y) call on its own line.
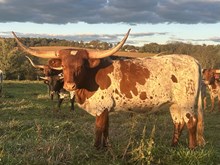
point(102, 83)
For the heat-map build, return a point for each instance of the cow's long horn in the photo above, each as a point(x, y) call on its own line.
point(44, 78)
point(38, 53)
point(56, 68)
point(217, 71)
point(34, 65)
point(106, 53)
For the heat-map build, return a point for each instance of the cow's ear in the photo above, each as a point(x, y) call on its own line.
point(55, 62)
point(93, 62)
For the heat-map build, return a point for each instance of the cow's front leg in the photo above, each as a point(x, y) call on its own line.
point(218, 103)
point(192, 125)
point(213, 104)
point(51, 95)
point(72, 100)
point(105, 133)
point(60, 100)
point(178, 128)
point(101, 129)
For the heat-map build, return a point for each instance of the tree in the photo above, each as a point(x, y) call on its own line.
point(7, 49)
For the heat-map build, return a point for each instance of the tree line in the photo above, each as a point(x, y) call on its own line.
point(15, 66)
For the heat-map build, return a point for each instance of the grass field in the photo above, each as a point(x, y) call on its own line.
point(32, 132)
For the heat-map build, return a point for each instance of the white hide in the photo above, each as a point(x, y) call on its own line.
point(159, 87)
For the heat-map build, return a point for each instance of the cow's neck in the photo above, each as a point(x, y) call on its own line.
point(95, 78)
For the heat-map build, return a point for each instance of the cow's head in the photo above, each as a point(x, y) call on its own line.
point(73, 62)
point(55, 83)
point(209, 76)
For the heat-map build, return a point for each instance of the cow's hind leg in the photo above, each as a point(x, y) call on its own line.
point(191, 125)
point(101, 129)
point(178, 128)
point(178, 123)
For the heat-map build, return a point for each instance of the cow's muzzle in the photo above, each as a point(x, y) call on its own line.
point(69, 86)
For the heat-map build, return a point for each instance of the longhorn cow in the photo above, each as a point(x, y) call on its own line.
point(54, 79)
point(140, 84)
point(48, 72)
point(213, 84)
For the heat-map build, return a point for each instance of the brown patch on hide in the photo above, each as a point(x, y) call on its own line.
point(174, 79)
point(102, 78)
point(82, 95)
point(132, 74)
point(213, 86)
point(190, 87)
point(143, 96)
point(117, 92)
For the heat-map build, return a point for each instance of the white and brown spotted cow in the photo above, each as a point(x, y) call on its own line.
point(211, 79)
point(139, 84)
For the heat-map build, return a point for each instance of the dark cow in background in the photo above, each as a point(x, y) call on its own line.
point(56, 85)
point(139, 84)
point(1, 82)
point(54, 79)
point(211, 79)
point(48, 72)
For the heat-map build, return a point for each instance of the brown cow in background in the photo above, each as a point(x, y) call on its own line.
point(211, 80)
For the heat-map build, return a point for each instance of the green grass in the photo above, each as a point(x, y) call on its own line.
point(32, 132)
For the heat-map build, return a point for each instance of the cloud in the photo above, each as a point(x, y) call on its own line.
point(134, 38)
point(110, 11)
point(204, 40)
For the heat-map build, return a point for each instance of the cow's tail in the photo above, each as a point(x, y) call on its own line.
point(200, 123)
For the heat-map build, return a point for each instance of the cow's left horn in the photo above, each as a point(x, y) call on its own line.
point(106, 53)
point(34, 65)
point(38, 53)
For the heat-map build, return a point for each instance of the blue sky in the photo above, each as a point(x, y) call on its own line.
point(160, 21)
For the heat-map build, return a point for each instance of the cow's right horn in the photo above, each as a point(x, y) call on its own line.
point(35, 52)
point(44, 78)
point(217, 71)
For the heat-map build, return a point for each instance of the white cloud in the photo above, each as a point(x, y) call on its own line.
point(2, 1)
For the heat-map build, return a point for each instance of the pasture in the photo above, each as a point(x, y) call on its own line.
point(33, 132)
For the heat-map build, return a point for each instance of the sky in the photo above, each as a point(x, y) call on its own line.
point(150, 21)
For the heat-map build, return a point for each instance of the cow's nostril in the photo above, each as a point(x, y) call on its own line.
point(74, 86)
